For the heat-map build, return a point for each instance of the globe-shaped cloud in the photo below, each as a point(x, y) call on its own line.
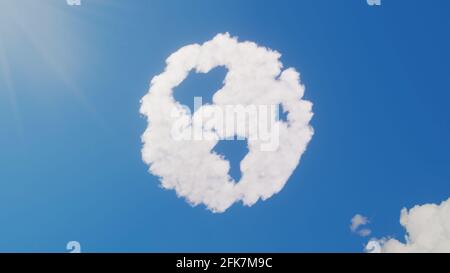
point(178, 146)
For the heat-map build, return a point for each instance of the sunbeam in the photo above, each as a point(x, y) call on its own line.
point(46, 28)
point(5, 75)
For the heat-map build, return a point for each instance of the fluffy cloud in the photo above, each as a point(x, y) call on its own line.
point(189, 166)
point(427, 230)
point(356, 222)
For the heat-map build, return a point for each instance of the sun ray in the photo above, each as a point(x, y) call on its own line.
point(21, 18)
point(6, 75)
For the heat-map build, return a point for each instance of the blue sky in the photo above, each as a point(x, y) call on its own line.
point(71, 79)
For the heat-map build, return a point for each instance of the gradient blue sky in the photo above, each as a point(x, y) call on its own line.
point(70, 83)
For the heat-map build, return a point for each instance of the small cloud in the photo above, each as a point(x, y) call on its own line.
point(364, 232)
point(356, 222)
point(427, 230)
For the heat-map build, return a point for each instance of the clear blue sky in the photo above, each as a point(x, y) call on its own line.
point(70, 83)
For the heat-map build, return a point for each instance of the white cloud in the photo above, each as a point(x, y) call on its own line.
point(364, 232)
point(427, 230)
point(356, 222)
point(190, 167)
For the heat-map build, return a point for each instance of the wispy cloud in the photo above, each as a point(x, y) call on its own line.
point(356, 222)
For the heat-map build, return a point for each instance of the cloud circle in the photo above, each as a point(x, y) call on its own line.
point(190, 166)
